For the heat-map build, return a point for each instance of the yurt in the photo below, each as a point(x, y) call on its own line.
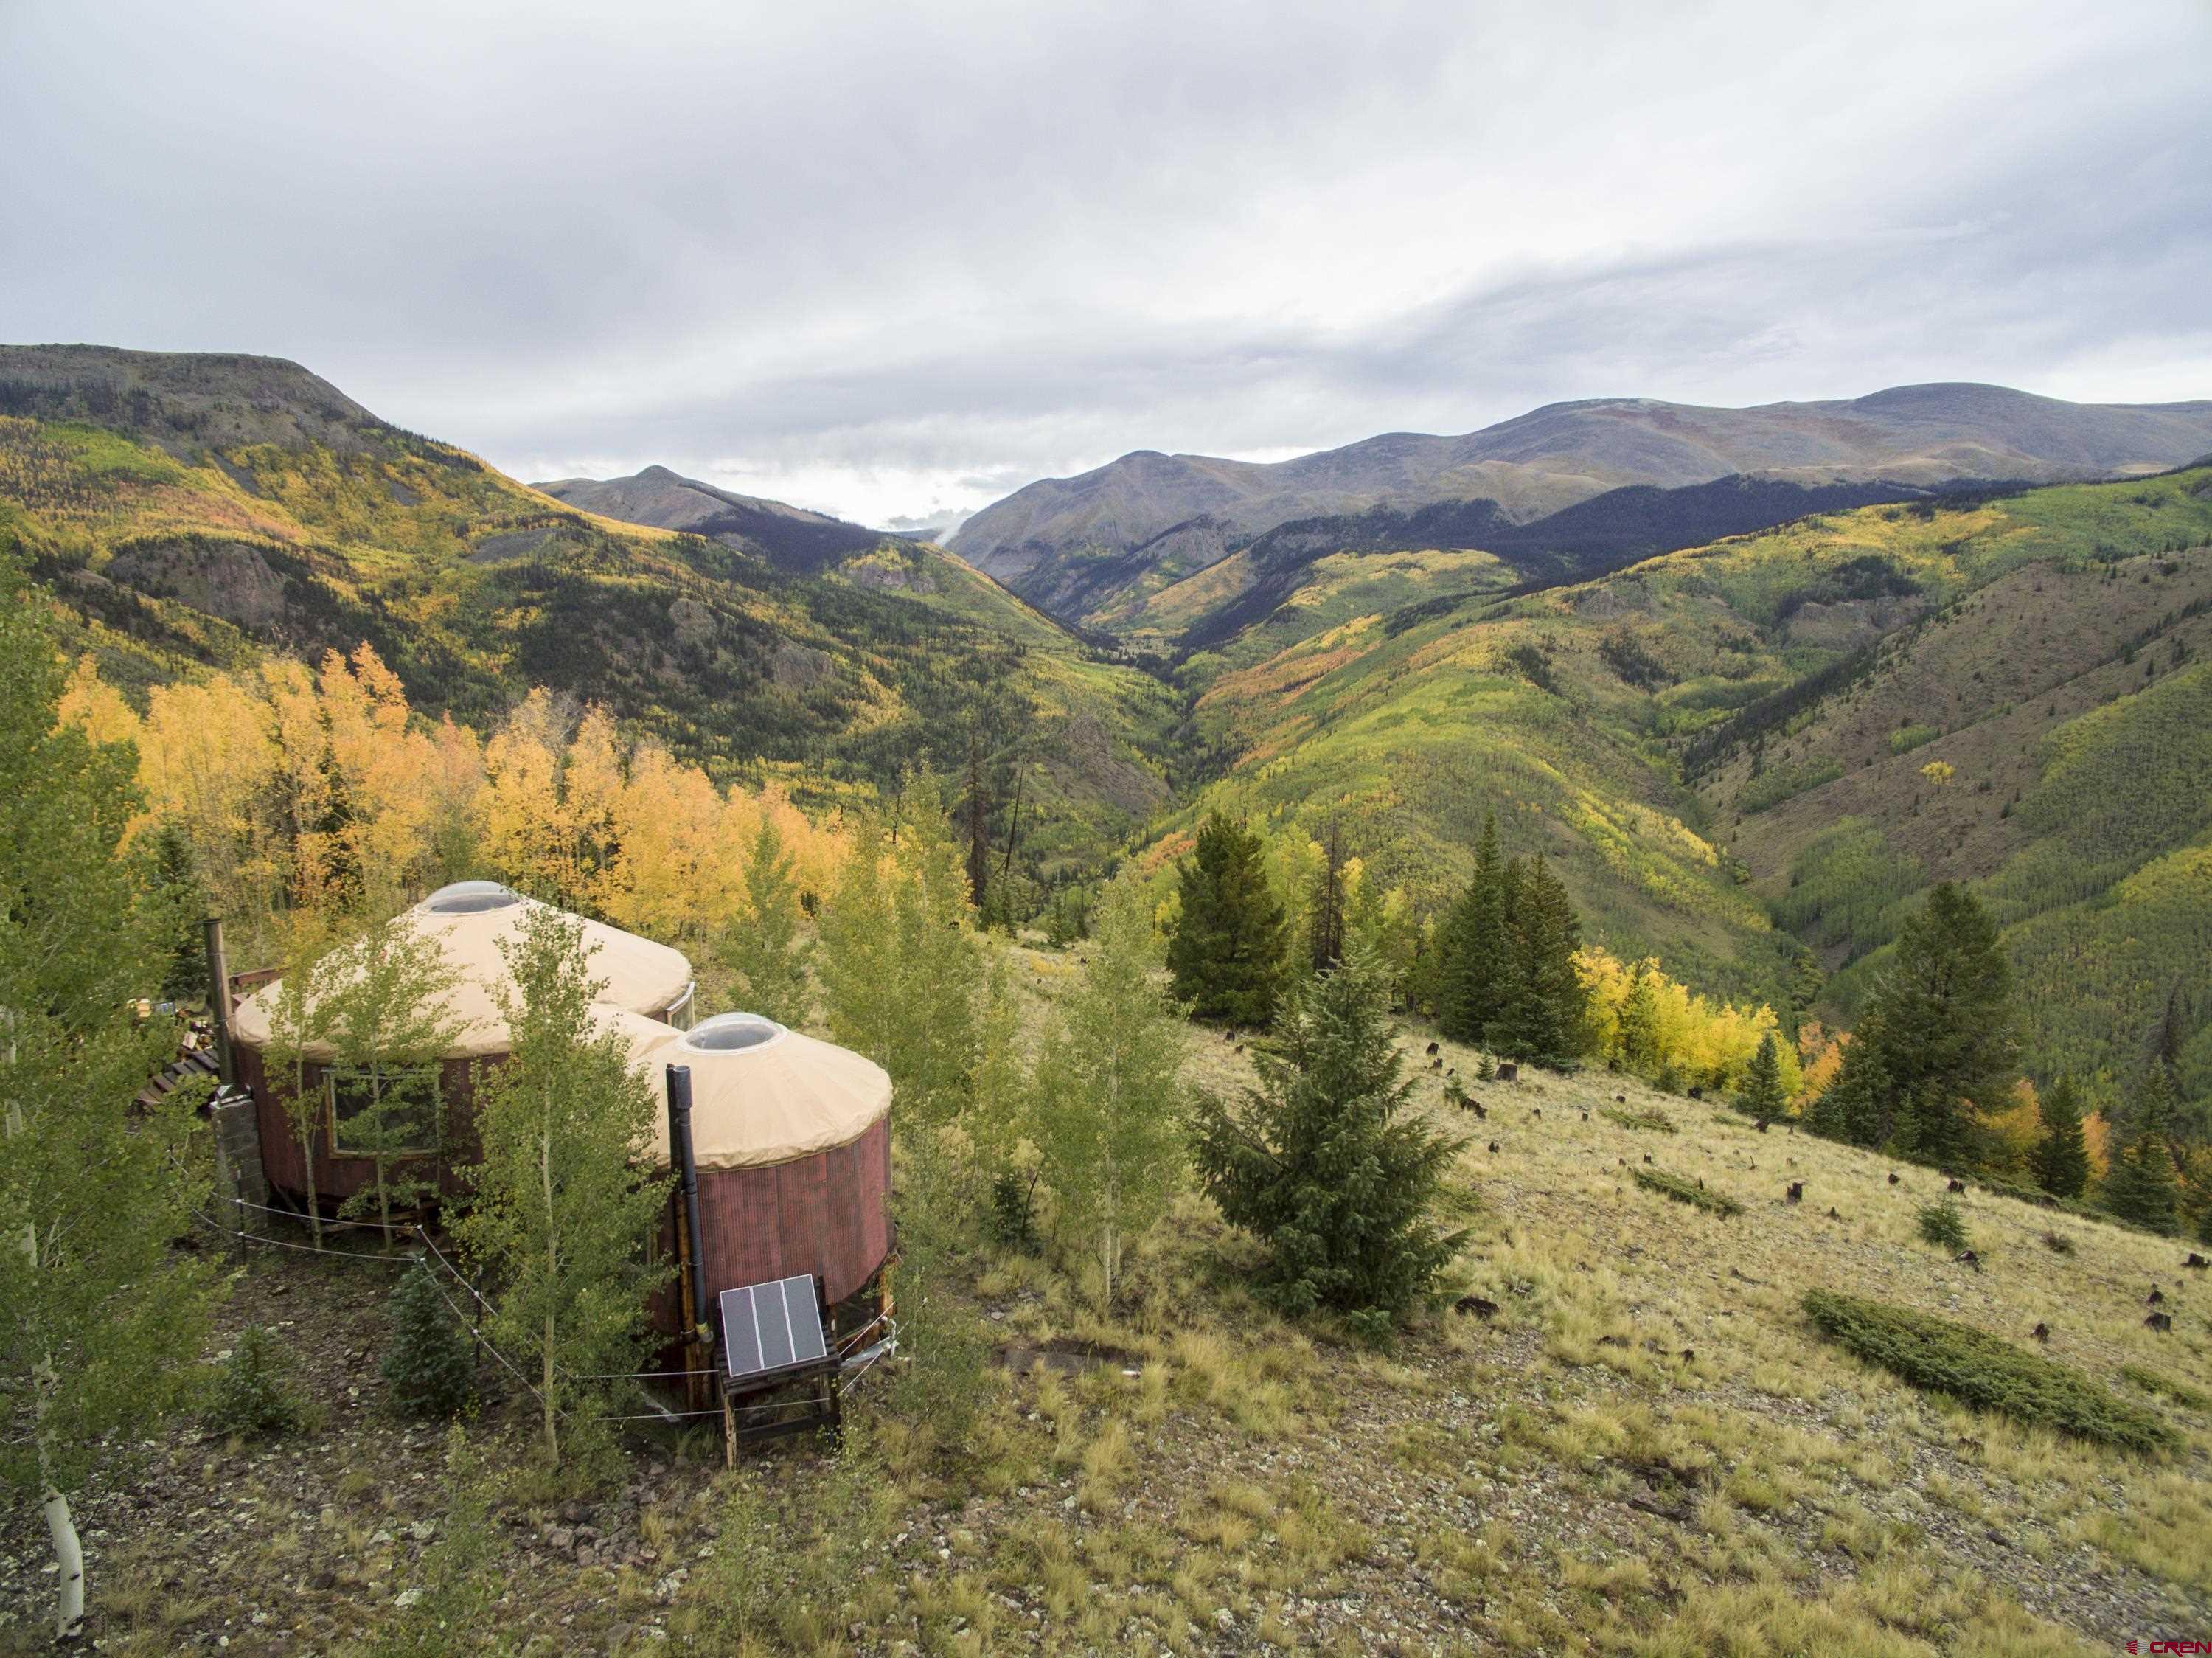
point(646, 983)
point(791, 1144)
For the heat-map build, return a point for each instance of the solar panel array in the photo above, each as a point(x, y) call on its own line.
point(772, 1327)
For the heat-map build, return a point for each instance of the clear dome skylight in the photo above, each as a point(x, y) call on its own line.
point(729, 1033)
point(467, 897)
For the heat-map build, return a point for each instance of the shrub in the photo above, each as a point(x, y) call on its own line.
point(1686, 1192)
point(2058, 1243)
point(1978, 1369)
point(1656, 1122)
point(427, 1366)
point(1012, 1219)
point(1941, 1223)
point(254, 1396)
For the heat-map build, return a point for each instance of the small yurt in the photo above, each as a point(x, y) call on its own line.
point(644, 983)
point(791, 1148)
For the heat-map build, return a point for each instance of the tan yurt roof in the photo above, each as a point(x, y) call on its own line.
point(470, 920)
point(762, 1094)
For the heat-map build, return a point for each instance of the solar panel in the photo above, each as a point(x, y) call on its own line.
point(771, 1327)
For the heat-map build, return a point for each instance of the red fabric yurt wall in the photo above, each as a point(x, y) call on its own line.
point(829, 1215)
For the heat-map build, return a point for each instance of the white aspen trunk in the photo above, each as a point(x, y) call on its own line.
point(552, 1270)
point(383, 1152)
point(306, 1124)
point(69, 1555)
point(61, 1524)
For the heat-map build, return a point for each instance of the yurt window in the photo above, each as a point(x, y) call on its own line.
point(382, 1113)
point(681, 1010)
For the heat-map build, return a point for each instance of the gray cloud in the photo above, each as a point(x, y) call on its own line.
point(893, 262)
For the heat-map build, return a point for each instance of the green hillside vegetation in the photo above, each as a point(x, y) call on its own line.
point(474, 588)
point(2069, 699)
point(1338, 589)
point(1770, 674)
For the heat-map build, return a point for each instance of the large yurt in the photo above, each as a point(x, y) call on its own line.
point(644, 981)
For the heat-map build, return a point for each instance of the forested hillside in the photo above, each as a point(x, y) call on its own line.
point(1727, 748)
point(1596, 842)
point(195, 513)
point(1733, 753)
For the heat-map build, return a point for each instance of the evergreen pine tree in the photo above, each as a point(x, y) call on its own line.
point(254, 1397)
point(978, 832)
point(1934, 1049)
point(1855, 1107)
point(1761, 1095)
point(1326, 930)
point(1474, 969)
point(1227, 952)
point(763, 948)
point(1806, 979)
point(1546, 1016)
point(2061, 1159)
point(428, 1364)
point(2140, 1186)
point(1636, 1026)
point(177, 909)
point(1325, 1163)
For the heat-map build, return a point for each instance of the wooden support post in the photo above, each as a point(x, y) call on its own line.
point(729, 1431)
point(218, 967)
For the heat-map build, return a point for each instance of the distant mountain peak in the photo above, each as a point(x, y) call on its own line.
point(789, 537)
point(1551, 457)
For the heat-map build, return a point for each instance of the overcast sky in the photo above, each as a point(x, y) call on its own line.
point(895, 262)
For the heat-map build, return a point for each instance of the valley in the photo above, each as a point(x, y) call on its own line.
point(1193, 832)
point(1750, 725)
point(1722, 746)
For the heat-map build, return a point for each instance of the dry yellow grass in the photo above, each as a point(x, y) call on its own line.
point(1648, 1450)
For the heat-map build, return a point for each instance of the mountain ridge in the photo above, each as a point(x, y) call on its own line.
point(792, 537)
point(1553, 456)
point(191, 513)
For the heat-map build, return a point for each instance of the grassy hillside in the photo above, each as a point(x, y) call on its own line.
point(1646, 1448)
point(1793, 677)
point(474, 588)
